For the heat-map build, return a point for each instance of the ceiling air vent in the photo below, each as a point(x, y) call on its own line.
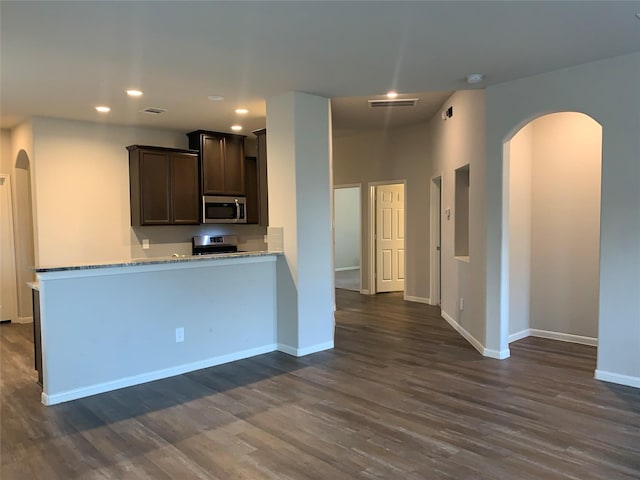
point(154, 111)
point(396, 102)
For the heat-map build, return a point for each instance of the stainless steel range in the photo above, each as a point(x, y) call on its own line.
point(209, 244)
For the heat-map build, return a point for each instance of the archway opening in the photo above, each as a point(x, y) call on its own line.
point(23, 235)
point(551, 227)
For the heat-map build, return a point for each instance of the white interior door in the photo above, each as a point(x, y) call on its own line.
point(390, 238)
point(8, 292)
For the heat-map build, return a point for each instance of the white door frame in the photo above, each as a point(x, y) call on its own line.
point(435, 224)
point(333, 225)
point(372, 230)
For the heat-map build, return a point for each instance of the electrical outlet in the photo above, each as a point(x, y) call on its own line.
point(145, 244)
point(461, 303)
point(179, 334)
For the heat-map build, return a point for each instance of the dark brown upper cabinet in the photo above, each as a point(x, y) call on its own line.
point(164, 186)
point(252, 176)
point(221, 162)
point(261, 160)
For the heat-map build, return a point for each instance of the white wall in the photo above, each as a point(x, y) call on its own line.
point(5, 151)
point(565, 224)
point(82, 195)
point(346, 207)
point(608, 92)
point(300, 192)
point(454, 143)
point(82, 188)
point(108, 328)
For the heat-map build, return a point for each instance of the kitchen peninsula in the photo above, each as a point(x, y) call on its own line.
point(111, 325)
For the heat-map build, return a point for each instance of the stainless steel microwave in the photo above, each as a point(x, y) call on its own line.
point(216, 209)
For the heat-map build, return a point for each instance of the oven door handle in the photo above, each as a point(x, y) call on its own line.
point(237, 210)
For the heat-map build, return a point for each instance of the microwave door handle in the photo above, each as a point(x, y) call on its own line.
point(237, 211)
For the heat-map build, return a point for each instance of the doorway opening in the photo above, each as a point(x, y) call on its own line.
point(24, 236)
point(8, 288)
point(347, 237)
point(435, 254)
point(551, 229)
point(387, 236)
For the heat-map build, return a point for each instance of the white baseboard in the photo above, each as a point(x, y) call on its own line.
point(514, 337)
point(23, 320)
point(467, 336)
point(497, 354)
point(485, 352)
point(564, 337)
point(52, 399)
point(410, 298)
point(364, 291)
point(617, 378)
point(301, 352)
point(287, 349)
point(344, 269)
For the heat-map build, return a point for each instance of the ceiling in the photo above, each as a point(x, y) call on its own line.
point(61, 59)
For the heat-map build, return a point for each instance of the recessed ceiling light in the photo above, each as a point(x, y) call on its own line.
point(103, 109)
point(475, 78)
point(236, 128)
point(215, 98)
point(134, 93)
point(392, 94)
point(242, 111)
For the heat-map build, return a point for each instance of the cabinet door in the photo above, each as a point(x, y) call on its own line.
point(155, 178)
point(263, 200)
point(185, 200)
point(213, 163)
point(251, 190)
point(234, 166)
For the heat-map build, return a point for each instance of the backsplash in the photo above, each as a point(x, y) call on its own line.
point(167, 240)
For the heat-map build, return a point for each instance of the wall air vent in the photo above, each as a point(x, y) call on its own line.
point(154, 111)
point(393, 102)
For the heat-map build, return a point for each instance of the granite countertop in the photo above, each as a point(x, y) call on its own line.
point(155, 260)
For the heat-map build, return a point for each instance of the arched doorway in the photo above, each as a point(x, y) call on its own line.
point(23, 235)
point(608, 94)
point(551, 229)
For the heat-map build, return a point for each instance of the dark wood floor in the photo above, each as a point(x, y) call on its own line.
point(402, 396)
